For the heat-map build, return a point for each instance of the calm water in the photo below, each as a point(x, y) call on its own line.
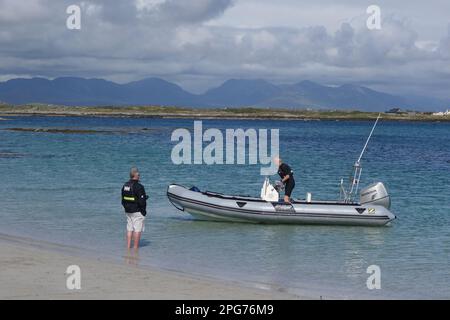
point(66, 188)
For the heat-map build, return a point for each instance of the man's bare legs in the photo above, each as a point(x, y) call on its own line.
point(129, 237)
point(135, 237)
point(132, 254)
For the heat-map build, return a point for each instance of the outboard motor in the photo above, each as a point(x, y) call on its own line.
point(376, 194)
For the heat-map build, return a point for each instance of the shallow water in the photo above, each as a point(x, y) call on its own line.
point(65, 188)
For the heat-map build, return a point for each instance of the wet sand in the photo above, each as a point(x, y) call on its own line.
point(32, 269)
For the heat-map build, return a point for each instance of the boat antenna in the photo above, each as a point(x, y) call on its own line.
point(368, 139)
point(357, 170)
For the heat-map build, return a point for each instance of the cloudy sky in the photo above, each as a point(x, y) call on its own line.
point(200, 43)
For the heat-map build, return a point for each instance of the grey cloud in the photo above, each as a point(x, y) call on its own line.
point(170, 12)
point(118, 12)
point(13, 11)
point(191, 11)
point(444, 46)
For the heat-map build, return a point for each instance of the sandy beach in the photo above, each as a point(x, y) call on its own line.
point(32, 269)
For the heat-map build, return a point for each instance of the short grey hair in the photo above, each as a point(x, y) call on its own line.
point(133, 171)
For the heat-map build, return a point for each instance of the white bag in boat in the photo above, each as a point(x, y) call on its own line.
point(268, 192)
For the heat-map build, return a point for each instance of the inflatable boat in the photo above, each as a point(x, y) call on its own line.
point(219, 207)
point(371, 209)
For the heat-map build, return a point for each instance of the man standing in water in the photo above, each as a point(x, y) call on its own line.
point(287, 178)
point(134, 201)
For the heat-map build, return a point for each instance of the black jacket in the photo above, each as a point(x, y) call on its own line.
point(134, 198)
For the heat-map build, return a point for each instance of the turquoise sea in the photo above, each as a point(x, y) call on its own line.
point(65, 188)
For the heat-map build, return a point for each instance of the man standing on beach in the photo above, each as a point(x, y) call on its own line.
point(134, 201)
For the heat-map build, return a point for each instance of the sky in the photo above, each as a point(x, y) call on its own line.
point(198, 44)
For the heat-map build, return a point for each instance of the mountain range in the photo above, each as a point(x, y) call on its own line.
point(73, 91)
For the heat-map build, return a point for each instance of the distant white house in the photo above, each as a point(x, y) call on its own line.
point(444, 113)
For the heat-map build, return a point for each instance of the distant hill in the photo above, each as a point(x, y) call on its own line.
point(241, 93)
point(307, 93)
point(91, 92)
point(74, 91)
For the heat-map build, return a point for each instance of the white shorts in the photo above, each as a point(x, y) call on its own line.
point(135, 222)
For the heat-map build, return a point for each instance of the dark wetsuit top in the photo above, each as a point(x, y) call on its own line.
point(284, 170)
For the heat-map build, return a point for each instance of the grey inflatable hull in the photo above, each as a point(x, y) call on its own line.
point(219, 207)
